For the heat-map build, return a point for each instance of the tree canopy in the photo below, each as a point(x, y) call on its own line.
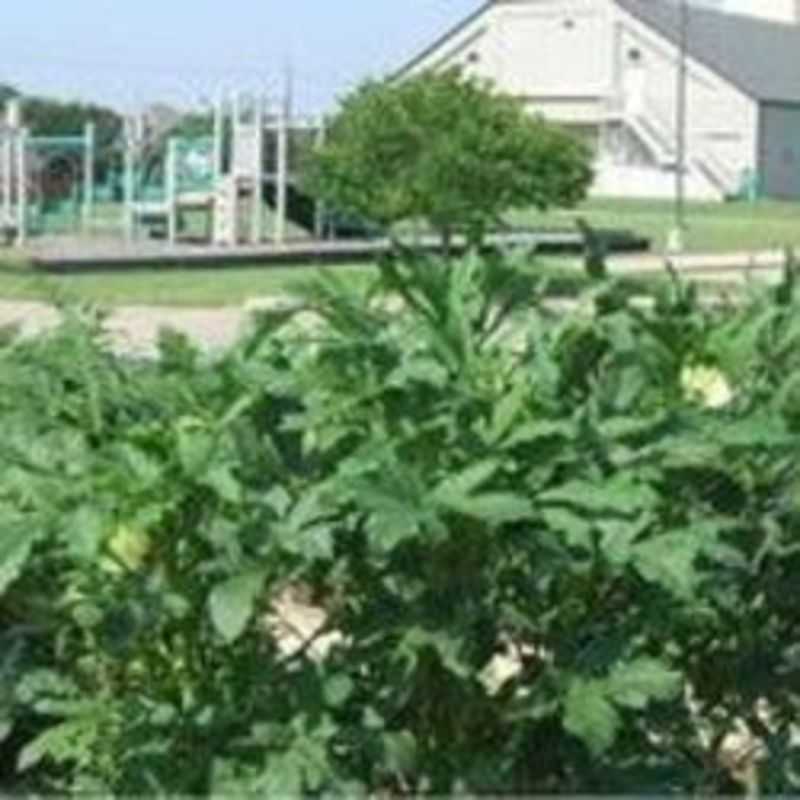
point(47, 116)
point(448, 149)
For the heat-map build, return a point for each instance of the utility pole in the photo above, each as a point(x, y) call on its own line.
point(677, 237)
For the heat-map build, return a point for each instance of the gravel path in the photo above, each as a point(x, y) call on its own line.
point(135, 329)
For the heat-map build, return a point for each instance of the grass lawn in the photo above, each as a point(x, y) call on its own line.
point(224, 286)
point(713, 227)
point(174, 287)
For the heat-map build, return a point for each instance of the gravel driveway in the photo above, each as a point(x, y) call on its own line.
point(135, 329)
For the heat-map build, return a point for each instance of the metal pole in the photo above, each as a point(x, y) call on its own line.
point(172, 190)
point(282, 177)
point(257, 215)
point(88, 174)
point(7, 173)
point(22, 187)
point(129, 187)
point(679, 232)
point(319, 207)
point(219, 133)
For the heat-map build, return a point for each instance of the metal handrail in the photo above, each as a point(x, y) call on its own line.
point(659, 134)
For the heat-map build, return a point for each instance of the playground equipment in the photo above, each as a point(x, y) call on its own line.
point(237, 179)
point(13, 185)
point(231, 177)
point(46, 182)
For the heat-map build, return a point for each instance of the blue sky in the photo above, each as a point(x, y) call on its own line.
point(130, 52)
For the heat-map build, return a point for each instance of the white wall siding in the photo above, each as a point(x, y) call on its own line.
point(588, 63)
point(554, 48)
point(569, 110)
point(722, 121)
point(616, 180)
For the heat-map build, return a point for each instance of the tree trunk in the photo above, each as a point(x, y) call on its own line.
point(447, 242)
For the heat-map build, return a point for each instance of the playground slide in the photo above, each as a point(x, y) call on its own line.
point(301, 209)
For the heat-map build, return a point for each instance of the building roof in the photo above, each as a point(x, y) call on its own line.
point(444, 38)
point(759, 57)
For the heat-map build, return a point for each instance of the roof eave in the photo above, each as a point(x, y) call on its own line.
point(442, 40)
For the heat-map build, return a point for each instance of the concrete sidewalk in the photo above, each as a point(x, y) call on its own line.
point(737, 267)
point(134, 330)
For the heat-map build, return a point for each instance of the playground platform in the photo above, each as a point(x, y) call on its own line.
point(82, 255)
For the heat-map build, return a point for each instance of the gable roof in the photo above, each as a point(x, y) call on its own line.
point(449, 34)
point(759, 57)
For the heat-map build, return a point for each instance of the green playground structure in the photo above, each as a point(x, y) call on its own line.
point(239, 183)
point(246, 174)
point(46, 182)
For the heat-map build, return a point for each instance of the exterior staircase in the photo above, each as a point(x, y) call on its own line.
point(658, 136)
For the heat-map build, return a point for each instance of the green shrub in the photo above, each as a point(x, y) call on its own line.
point(447, 149)
point(517, 539)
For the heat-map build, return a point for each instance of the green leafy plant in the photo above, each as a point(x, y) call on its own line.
point(426, 534)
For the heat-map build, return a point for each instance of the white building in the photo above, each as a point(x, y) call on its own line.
point(608, 70)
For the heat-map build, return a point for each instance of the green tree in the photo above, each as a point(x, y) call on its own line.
point(447, 149)
point(7, 92)
point(46, 116)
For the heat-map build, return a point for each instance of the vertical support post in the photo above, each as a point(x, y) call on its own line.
point(88, 174)
point(172, 190)
point(219, 135)
point(257, 211)
point(22, 187)
point(129, 178)
point(7, 175)
point(282, 176)
point(678, 234)
point(236, 122)
point(319, 205)
point(237, 143)
point(14, 114)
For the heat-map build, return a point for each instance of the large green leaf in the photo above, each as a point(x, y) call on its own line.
point(456, 494)
point(494, 508)
point(530, 432)
point(232, 604)
point(590, 716)
point(284, 776)
point(85, 532)
point(621, 495)
point(338, 689)
point(669, 560)
point(195, 447)
point(222, 480)
point(507, 411)
point(575, 529)
point(16, 541)
point(456, 487)
point(617, 537)
point(401, 752)
point(635, 684)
